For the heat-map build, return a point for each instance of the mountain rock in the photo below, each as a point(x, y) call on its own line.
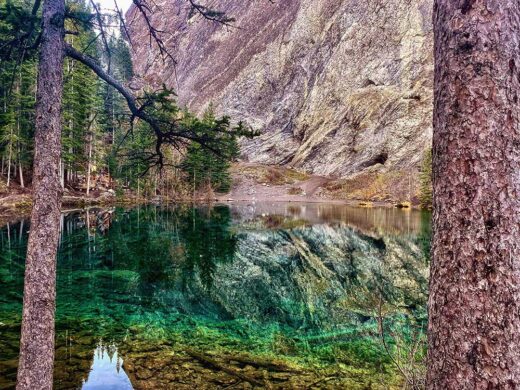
point(337, 87)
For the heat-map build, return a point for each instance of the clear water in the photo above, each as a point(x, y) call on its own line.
point(267, 295)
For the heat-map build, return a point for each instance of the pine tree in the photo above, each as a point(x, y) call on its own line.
point(17, 91)
point(81, 101)
point(204, 167)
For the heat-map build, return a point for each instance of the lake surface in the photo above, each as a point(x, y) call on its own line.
point(266, 295)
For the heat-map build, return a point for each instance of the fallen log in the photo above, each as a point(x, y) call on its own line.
point(272, 365)
point(228, 370)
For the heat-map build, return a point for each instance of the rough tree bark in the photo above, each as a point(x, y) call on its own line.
point(35, 370)
point(474, 306)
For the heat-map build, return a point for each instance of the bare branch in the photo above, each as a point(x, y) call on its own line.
point(144, 10)
point(123, 23)
point(212, 15)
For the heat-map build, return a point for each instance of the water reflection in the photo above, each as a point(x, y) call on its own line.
point(275, 288)
point(107, 372)
point(382, 220)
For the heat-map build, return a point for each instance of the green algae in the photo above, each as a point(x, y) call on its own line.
point(163, 281)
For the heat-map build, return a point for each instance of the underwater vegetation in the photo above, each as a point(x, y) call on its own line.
point(176, 297)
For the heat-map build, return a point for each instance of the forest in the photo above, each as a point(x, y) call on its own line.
point(309, 194)
point(100, 141)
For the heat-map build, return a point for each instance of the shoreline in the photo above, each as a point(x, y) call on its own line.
point(20, 207)
point(252, 183)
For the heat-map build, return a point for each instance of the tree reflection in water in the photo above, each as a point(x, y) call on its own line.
point(107, 372)
point(295, 290)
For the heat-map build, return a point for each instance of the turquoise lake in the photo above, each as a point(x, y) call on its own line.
point(265, 295)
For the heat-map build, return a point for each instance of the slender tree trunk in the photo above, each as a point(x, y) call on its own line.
point(35, 369)
point(9, 159)
point(474, 306)
point(113, 117)
point(20, 168)
point(18, 127)
point(71, 149)
point(62, 173)
point(89, 167)
point(5, 111)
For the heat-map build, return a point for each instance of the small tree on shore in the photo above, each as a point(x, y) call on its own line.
point(207, 168)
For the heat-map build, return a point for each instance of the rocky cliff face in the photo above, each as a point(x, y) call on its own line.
point(336, 86)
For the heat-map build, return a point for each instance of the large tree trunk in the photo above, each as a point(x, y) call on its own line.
point(474, 306)
point(35, 370)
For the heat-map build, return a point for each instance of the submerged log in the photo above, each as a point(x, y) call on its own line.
point(227, 369)
point(264, 363)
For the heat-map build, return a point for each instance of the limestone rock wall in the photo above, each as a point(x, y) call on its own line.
point(336, 86)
